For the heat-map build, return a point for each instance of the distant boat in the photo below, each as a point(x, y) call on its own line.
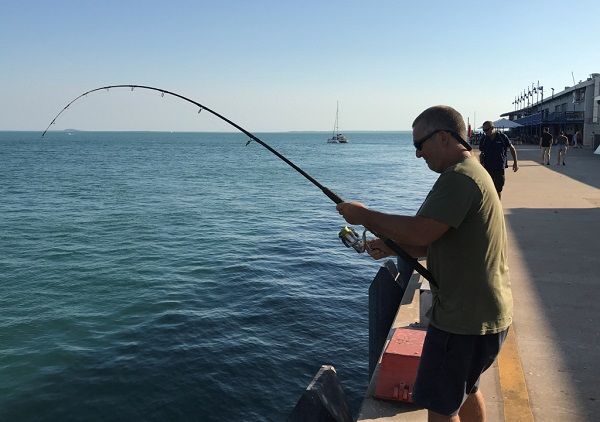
point(336, 136)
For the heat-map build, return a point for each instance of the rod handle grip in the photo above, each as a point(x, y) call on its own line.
point(332, 196)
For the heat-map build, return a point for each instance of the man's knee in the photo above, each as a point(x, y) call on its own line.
point(437, 417)
point(473, 409)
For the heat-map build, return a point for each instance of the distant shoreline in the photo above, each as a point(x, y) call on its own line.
point(184, 131)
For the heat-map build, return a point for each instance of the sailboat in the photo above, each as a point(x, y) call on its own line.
point(336, 136)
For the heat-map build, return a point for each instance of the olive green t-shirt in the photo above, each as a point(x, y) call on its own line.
point(471, 294)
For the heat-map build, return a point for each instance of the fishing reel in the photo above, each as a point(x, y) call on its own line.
point(351, 239)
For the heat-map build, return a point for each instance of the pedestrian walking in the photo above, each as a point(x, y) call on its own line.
point(562, 143)
point(579, 139)
point(493, 149)
point(546, 141)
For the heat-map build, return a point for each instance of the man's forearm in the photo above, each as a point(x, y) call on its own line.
point(402, 229)
point(414, 231)
point(513, 152)
point(414, 251)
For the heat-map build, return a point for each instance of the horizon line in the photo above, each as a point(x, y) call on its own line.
point(207, 131)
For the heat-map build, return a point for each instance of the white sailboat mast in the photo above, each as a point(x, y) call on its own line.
point(335, 125)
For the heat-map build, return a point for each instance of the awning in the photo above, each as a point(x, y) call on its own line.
point(506, 124)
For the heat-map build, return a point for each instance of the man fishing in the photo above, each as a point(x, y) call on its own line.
point(460, 228)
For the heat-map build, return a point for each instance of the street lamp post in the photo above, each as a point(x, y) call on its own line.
point(541, 89)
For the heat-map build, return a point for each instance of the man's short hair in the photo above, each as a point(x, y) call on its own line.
point(488, 123)
point(442, 117)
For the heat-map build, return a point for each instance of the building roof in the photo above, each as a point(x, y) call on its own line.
point(567, 91)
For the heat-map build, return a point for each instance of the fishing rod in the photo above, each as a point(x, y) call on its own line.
point(348, 236)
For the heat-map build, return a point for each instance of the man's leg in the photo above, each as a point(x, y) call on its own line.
point(450, 365)
point(436, 417)
point(498, 178)
point(473, 409)
point(442, 374)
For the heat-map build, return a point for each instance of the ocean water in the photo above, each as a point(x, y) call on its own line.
point(185, 276)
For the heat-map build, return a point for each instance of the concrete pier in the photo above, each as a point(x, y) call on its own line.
point(553, 218)
point(548, 369)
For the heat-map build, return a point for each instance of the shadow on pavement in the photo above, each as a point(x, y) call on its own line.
point(560, 249)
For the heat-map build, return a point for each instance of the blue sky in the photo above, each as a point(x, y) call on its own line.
point(282, 65)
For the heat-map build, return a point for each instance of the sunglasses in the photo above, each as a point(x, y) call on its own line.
point(419, 142)
point(485, 129)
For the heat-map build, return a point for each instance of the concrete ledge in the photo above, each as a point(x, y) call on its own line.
point(380, 410)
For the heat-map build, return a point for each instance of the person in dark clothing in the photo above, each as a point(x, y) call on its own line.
point(578, 139)
point(561, 146)
point(493, 149)
point(546, 142)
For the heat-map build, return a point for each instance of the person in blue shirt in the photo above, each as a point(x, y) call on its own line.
point(493, 149)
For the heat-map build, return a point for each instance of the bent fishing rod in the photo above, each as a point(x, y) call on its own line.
point(348, 236)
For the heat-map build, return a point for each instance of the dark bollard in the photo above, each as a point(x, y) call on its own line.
point(405, 271)
point(385, 296)
point(323, 400)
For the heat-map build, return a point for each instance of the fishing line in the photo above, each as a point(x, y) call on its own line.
point(331, 195)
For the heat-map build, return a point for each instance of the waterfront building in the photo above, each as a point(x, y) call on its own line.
point(573, 109)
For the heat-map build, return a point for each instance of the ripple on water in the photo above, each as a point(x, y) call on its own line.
point(153, 276)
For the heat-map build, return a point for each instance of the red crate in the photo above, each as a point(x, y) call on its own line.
point(399, 364)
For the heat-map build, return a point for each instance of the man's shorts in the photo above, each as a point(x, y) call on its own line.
point(498, 178)
point(450, 367)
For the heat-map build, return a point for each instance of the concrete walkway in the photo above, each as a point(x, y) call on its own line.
point(548, 369)
point(553, 218)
